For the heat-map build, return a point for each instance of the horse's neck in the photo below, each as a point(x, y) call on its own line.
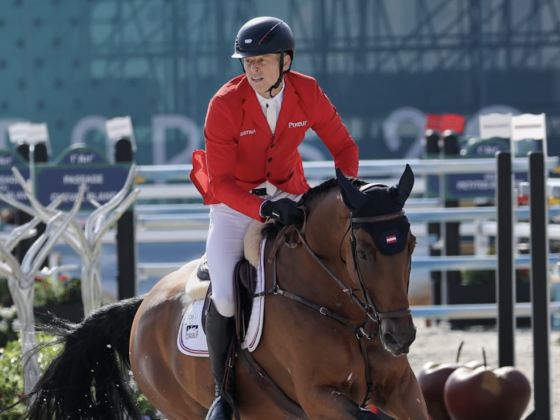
point(326, 224)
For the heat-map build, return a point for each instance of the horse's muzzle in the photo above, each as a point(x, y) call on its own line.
point(395, 339)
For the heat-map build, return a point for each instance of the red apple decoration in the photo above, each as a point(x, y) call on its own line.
point(484, 394)
point(432, 377)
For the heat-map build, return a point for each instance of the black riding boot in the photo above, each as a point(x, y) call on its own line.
point(219, 334)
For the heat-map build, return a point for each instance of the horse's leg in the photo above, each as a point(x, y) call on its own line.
point(405, 401)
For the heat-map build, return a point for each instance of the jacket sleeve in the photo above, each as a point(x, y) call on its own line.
point(221, 152)
point(330, 129)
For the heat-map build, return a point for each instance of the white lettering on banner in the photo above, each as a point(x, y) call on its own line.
point(82, 157)
point(6, 160)
point(244, 133)
point(475, 185)
point(16, 195)
point(8, 179)
point(408, 119)
point(80, 179)
point(487, 183)
point(187, 126)
point(99, 196)
point(297, 124)
point(411, 118)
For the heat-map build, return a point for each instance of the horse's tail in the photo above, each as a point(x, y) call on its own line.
point(89, 377)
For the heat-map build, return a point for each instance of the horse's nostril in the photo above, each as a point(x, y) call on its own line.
point(389, 339)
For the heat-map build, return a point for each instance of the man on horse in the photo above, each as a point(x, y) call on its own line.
point(252, 169)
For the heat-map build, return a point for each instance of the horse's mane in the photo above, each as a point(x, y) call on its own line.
point(273, 228)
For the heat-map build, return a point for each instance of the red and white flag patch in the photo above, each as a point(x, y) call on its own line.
point(391, 239)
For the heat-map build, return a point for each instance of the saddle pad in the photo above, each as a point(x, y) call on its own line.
point(191, 339)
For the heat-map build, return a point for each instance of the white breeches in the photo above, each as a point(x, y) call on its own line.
point(224, 249)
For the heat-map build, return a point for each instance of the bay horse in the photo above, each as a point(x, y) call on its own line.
point(337, 327)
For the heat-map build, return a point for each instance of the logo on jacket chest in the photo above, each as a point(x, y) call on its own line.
point(297, 124)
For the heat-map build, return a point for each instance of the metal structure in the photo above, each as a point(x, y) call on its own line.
point(21, 278)
point(180, 49)
point(348, 44)
point(86, 241)
point(382, 62)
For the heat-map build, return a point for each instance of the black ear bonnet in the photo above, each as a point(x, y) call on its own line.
point(390, 236)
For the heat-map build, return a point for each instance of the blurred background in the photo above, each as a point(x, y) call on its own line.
point(391, 68)
point(385, 64)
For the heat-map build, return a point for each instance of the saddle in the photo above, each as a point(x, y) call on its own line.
point(245, 280)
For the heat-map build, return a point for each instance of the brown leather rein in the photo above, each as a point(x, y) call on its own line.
point(367, 305)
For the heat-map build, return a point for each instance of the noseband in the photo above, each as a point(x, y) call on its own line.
point(367, 305)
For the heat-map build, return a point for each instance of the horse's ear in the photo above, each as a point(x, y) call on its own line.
point(402, 190)
point(352, 196)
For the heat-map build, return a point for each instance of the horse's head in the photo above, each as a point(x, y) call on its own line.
point(378, 255)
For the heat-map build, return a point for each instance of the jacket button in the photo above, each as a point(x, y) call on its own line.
point(272, 145)
point(270, 159)
point(268, 175)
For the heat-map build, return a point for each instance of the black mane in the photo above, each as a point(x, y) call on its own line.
point(273, 228)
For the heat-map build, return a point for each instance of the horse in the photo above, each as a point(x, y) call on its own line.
point(337, 326)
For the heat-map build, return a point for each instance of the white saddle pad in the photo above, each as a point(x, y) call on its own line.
point(191, 339)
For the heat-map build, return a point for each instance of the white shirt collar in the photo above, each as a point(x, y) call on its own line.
point(277, 99)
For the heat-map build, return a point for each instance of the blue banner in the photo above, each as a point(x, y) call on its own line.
point(8, 182)
point(103, 183)
point(468, 186)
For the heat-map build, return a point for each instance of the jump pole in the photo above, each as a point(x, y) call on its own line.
point(540, 294)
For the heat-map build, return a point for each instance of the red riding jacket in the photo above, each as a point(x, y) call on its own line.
point(241, 152)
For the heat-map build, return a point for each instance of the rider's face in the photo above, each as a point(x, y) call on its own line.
point(263, 71)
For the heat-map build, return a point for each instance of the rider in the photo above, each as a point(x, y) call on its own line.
point(252, 168)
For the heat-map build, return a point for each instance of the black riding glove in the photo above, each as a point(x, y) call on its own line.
point(283, 210)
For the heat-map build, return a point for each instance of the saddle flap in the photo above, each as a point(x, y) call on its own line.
point(245, 281)
point(246, 274)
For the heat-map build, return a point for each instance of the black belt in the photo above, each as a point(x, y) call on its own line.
point(259, 191)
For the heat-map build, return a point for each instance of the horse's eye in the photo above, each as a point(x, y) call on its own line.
point(362, 255)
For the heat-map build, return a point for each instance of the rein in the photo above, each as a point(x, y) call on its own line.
point(367, 306)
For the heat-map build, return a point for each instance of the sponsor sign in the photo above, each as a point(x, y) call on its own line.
point(77, 165)
point(475, 185)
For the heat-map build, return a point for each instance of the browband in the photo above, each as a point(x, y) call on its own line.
point(373, 219)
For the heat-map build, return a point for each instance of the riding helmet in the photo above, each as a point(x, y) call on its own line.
point(264, 35)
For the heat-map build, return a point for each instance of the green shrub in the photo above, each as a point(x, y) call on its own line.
point(489, 276)
point(7, 318)
point(59, 290)
point(11, 375)
point(11, 378)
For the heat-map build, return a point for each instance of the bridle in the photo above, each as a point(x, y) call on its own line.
point(367, 305)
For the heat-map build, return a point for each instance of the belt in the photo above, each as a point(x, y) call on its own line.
point(258, 191)
point(266, 188)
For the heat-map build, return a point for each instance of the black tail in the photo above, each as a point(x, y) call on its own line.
point(89, 378)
